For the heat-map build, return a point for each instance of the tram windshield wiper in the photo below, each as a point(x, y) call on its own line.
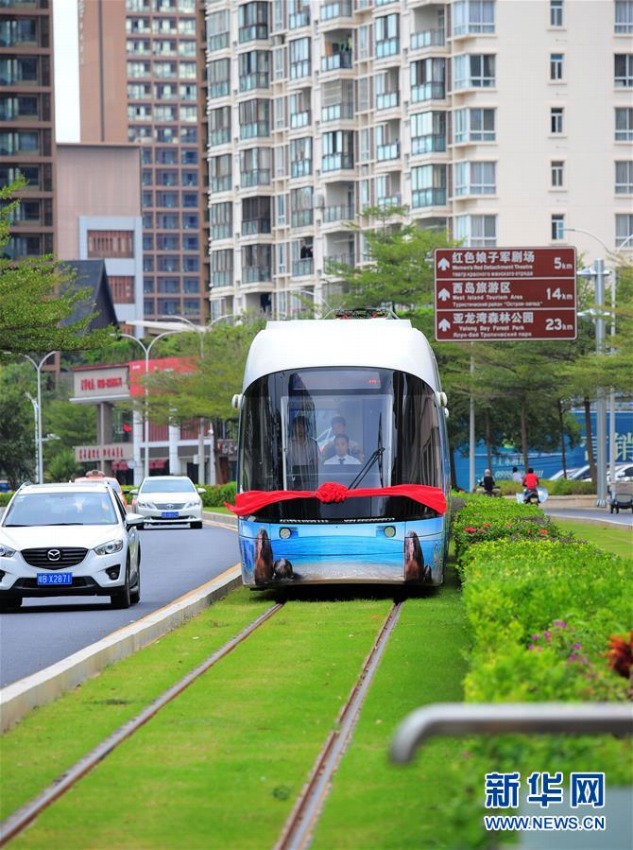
point(374, 456)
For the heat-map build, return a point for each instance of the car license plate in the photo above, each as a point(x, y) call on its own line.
point(169, 515)
point(54, 578)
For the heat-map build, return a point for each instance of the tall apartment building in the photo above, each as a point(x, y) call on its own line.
point(507, 122)
point(27, 131)
point(141, 71)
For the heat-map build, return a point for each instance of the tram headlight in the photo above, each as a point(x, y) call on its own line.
point(285, 533)
point(390, 531)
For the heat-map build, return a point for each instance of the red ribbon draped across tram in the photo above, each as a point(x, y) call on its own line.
point(254, 500)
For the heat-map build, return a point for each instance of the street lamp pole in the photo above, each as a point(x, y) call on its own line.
point(38, 369)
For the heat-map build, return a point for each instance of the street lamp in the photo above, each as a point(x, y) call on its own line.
point(599, 272)
point(147, 349)
point(37, 405)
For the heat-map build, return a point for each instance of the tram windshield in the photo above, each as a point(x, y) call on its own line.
point(360, 427)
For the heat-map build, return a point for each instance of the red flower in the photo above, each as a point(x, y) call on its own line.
point(470, 530)
point(620, 655)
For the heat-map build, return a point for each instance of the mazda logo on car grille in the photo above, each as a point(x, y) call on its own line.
point(54, 555)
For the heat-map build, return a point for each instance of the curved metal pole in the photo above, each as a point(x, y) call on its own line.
point(455, 719)
point(40, 453)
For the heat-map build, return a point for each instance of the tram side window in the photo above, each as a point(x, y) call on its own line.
point(260, 464)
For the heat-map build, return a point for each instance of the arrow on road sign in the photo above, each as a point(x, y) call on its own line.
point(443, 294)
point(444, 325)
point(444, 264)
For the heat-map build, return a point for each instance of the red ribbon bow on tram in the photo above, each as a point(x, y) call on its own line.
point(254, 500)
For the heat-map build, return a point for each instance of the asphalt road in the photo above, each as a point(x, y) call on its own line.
point(175, 560)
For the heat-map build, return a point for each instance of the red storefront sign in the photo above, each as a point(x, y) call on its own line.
point(505, 294)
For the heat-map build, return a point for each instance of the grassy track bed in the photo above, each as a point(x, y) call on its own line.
point(220, 766)
point(52, 738)
point(373, 804)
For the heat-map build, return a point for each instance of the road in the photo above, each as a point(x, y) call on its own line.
point(174, 561)
point(623, 519)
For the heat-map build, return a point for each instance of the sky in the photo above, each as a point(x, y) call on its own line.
point(66, 49)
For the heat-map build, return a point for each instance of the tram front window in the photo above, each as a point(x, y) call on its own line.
point(291, 423)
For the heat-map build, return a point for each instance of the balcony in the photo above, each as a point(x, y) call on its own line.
point(248, 82)
point(256, 32)
point(255, 226)
point(302, 268)
point(386, 201)
point(433, 143)
point(337, 162)
point(337, 9)
point(221, 278)
point(428, 91)
point(256, 274)
point(300, 119)
point(301, 168)
point(337, 61)
point(387, 47)
point(428, 198)
point(331, 261)
point(338, 212)
point(337, 112)
point(428, 38)
point(387, 100)
point(386, 152)
point(301, 218)
point(255, 177)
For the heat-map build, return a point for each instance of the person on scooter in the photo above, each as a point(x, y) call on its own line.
point(530, 482)
point(488, 483)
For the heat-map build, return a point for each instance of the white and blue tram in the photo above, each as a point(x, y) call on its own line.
point(343, 461)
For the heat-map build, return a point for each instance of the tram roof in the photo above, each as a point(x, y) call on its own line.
point(378, 343)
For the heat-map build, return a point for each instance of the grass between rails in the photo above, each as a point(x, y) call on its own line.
point(220, 767)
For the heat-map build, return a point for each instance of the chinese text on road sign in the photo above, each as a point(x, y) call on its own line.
point(505, 293)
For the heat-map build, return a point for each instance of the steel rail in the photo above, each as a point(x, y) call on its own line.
point(297, 831)
point(15, 823)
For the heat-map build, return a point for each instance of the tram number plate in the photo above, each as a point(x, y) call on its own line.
point(54, 578)
point(169, 514)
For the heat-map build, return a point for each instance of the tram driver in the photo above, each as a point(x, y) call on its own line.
point(338, 426)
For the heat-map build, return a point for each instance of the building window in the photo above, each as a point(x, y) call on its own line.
point(256, 215)
point(476, 231)
point(220, 173)
point(557, 228)
point(221, 220)
point(254, 70)
point(624, 177)
point(428, 79)
point(220, 126)
point(556, 123)
point(219, 76)
point(254, 117)
point(428, 132)
point(252, 22)
point(387, 89)
point(222, 267)
point(623, 70)
point(300, 65)
point(474, 125)
point(624, 124)
point(477, 71)
point(301, 157)
point(255, 167)
point(556, 13)
point(300, 109)
point(556, 67)
point(557, 171)
point(475, 178)
point(471, 17)
point(256, 263)
point(386, 36)
point(428, 186)
point(338, 150)
point(110, 243)
point(624, 230)
point(623, 17)
point(301, 207)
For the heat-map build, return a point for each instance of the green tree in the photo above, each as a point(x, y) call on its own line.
point(399, 270)
point(17, 426)
point(38, 301)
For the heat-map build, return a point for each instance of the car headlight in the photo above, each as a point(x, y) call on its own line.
point(109, 548)
point(194, 504)
point(144, 504)
point(6, 551)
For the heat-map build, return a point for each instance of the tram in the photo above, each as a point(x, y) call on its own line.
point(343, 461)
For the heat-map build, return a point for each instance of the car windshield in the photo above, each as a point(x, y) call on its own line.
point(167, 485)
point(78, 508)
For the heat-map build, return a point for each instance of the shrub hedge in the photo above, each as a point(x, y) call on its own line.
point(550, 619)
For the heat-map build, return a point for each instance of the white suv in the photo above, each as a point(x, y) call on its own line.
point(168, 500)
point(69, 539)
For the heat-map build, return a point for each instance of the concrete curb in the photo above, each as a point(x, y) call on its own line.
point(46, 685)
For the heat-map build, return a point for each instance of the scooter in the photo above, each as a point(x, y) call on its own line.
point(533, 496)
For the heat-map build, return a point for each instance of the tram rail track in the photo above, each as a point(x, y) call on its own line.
point(298, 829)
point(15, 823)
point(296, 832)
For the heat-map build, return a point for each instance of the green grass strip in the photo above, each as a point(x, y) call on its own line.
point(376, 805)
point(613, 538)
point(52, 738)
point(220, 767)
